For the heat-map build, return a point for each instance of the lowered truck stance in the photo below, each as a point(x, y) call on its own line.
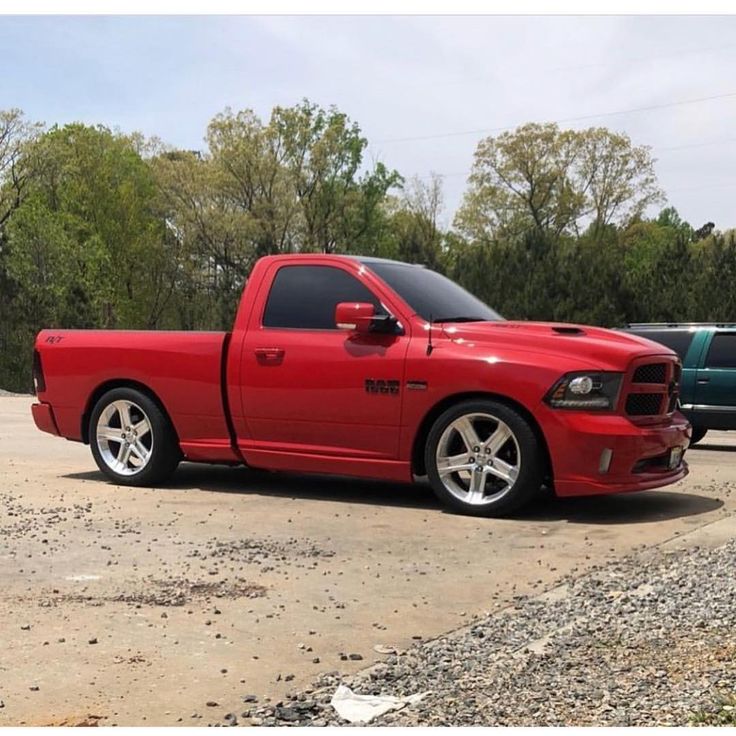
point(377, 369)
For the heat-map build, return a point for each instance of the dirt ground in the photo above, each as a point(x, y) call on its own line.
point(174, 605)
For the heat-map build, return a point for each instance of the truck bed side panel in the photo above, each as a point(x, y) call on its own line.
point(182, 368)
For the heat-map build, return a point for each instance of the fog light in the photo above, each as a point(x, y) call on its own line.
point(605, 461)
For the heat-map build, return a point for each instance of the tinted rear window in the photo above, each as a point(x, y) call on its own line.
point(677, 340)
point(722, 351)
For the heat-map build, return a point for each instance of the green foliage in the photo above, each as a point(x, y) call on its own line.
point(84, 247)
point(645, 272)
point(555, 181)
point(100, 229)
point(722, 712)
point(293, 184)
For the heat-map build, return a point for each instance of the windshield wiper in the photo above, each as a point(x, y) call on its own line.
point(459, 319)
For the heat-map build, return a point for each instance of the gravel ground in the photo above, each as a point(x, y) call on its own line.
point(649, 640)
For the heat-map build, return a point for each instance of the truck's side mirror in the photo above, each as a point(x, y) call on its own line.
point(354, 316)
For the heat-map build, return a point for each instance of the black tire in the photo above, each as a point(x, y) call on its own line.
point(697, 434)
point(161, 442)
point(524, 448)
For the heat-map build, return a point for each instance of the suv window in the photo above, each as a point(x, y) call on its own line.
point(677, 340)
point(305, 297)
point(722, 352)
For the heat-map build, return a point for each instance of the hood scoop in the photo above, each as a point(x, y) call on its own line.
point(562, 330)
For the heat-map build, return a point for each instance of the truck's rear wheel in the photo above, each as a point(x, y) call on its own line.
point(484, 459)
point(131, 439)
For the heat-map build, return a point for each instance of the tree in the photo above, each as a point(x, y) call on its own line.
point(413, 229)
point(294, 184)
point(615, 179)
point(554, 181)
point(16, 133)
point(86, 246)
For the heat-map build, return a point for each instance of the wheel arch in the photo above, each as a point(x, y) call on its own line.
point(420, 439)
point(109, 385)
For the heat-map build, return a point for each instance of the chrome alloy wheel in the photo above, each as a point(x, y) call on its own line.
point(478, 459)
point(124, 437)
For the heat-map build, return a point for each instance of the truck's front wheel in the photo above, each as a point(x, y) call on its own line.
point(483, 458)
point(131, 439)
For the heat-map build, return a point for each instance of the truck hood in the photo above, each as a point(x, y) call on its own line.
point(592, 347)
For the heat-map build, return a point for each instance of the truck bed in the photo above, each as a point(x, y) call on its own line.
point(184, 369)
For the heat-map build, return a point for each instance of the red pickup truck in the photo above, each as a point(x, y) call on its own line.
point(378, 369)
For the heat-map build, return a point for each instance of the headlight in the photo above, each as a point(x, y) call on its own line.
point(585, 390)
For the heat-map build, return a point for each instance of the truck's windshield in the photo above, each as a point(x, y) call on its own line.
point(431, 295)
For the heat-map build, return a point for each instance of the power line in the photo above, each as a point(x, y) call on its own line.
point(577, 118)
point(701, 144)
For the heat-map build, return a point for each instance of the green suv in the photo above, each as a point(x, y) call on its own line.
point(708, 354)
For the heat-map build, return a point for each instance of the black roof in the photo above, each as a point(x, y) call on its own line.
point(371, 259)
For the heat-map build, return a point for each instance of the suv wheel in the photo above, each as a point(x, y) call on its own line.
point(697, 434)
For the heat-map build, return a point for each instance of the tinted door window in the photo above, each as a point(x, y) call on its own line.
point(722, 352)
point(674, 340)
point(305, 297)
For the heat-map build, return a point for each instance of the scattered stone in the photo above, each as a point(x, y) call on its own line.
point(648, 640)
point(286, 714)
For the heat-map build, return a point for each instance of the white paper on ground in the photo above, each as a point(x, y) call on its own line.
point(364, 708)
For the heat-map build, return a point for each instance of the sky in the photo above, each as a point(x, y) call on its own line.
point(424, 90)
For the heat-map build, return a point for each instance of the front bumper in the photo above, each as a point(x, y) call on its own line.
point(43, 416)
point(599, 454)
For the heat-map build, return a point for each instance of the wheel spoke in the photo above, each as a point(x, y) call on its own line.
point(498, 439)
point(140, 451)
point(108, 433)
point(124, 454)
point(142, 428)
point(453, 464)
point(466, 430)
point(124, 410)
point(504, 471)
point(477, 486)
